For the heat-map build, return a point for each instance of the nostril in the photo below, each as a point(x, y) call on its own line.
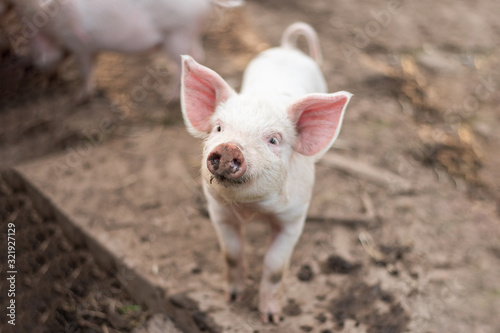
point(214, 159)
point(235, 165)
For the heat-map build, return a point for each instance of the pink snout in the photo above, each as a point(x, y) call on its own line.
point(226, 161)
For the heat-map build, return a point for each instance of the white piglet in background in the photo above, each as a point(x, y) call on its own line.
point(86, 27)
point(260, 149)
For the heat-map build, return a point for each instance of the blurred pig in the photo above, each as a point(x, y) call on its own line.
point(260, 149)
point(86, 27)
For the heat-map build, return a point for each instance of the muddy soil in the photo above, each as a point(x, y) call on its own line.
point(57, 285)
point(425, 79)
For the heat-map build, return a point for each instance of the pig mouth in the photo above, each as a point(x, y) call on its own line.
point(221, 179)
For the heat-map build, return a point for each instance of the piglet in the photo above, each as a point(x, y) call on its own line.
point(87, 27)
point(260, 149)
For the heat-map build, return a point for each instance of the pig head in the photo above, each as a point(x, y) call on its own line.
point(259, 153)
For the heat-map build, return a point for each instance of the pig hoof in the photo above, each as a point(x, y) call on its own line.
point(270, 311)
point(270, 318)
point(234, 296)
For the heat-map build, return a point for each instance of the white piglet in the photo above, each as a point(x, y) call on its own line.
point(260, 149)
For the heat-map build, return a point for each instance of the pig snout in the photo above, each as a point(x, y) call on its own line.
point(226, 161)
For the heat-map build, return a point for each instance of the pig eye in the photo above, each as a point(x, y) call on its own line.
point(218, 128)
point(273, 141)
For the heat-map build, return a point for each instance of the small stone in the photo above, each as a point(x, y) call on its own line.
point(292, 309)
point(321, 317)
point(305, 273)
point(196, 270)
point(337, 264)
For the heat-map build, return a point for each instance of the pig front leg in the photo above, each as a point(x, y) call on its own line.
point(85, 65)
point(284, 236)
point(229, 232)
point(181, 43)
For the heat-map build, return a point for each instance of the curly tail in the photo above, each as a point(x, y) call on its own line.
point(292, 33)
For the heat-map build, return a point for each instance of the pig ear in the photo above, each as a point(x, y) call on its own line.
point(202, 90)
point(318, 118)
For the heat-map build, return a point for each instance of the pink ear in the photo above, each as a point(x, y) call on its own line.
point(202, 90)
point(318, 118)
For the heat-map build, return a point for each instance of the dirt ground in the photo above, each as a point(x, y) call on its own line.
point(59, 287)
point(425, 79)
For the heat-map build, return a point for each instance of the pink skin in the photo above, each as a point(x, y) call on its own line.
point(265, 140)
point(314, 125)
point(87, 27)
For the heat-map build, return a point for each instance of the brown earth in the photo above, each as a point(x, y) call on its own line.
point(58, 285)
point(425, 80)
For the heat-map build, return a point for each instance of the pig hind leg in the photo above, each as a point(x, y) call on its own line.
point(231, 239)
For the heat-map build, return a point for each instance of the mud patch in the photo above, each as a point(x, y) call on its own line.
point(371, 306)
point(338, 265)
point(201, 318)
point(59, 287)
point(305, 273)
point(24, 83)
point(292, 308)
point(448, 144)
point(458, 154)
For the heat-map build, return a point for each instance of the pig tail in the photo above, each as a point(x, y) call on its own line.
point(292, 33)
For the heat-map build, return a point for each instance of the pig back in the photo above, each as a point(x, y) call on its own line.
point(283, 72)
